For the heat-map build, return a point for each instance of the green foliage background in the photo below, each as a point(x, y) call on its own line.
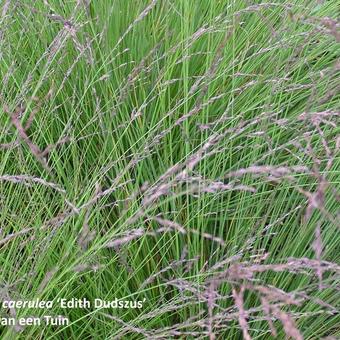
point(106, 83)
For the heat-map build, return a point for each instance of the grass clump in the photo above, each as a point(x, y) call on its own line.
point(178, 158)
